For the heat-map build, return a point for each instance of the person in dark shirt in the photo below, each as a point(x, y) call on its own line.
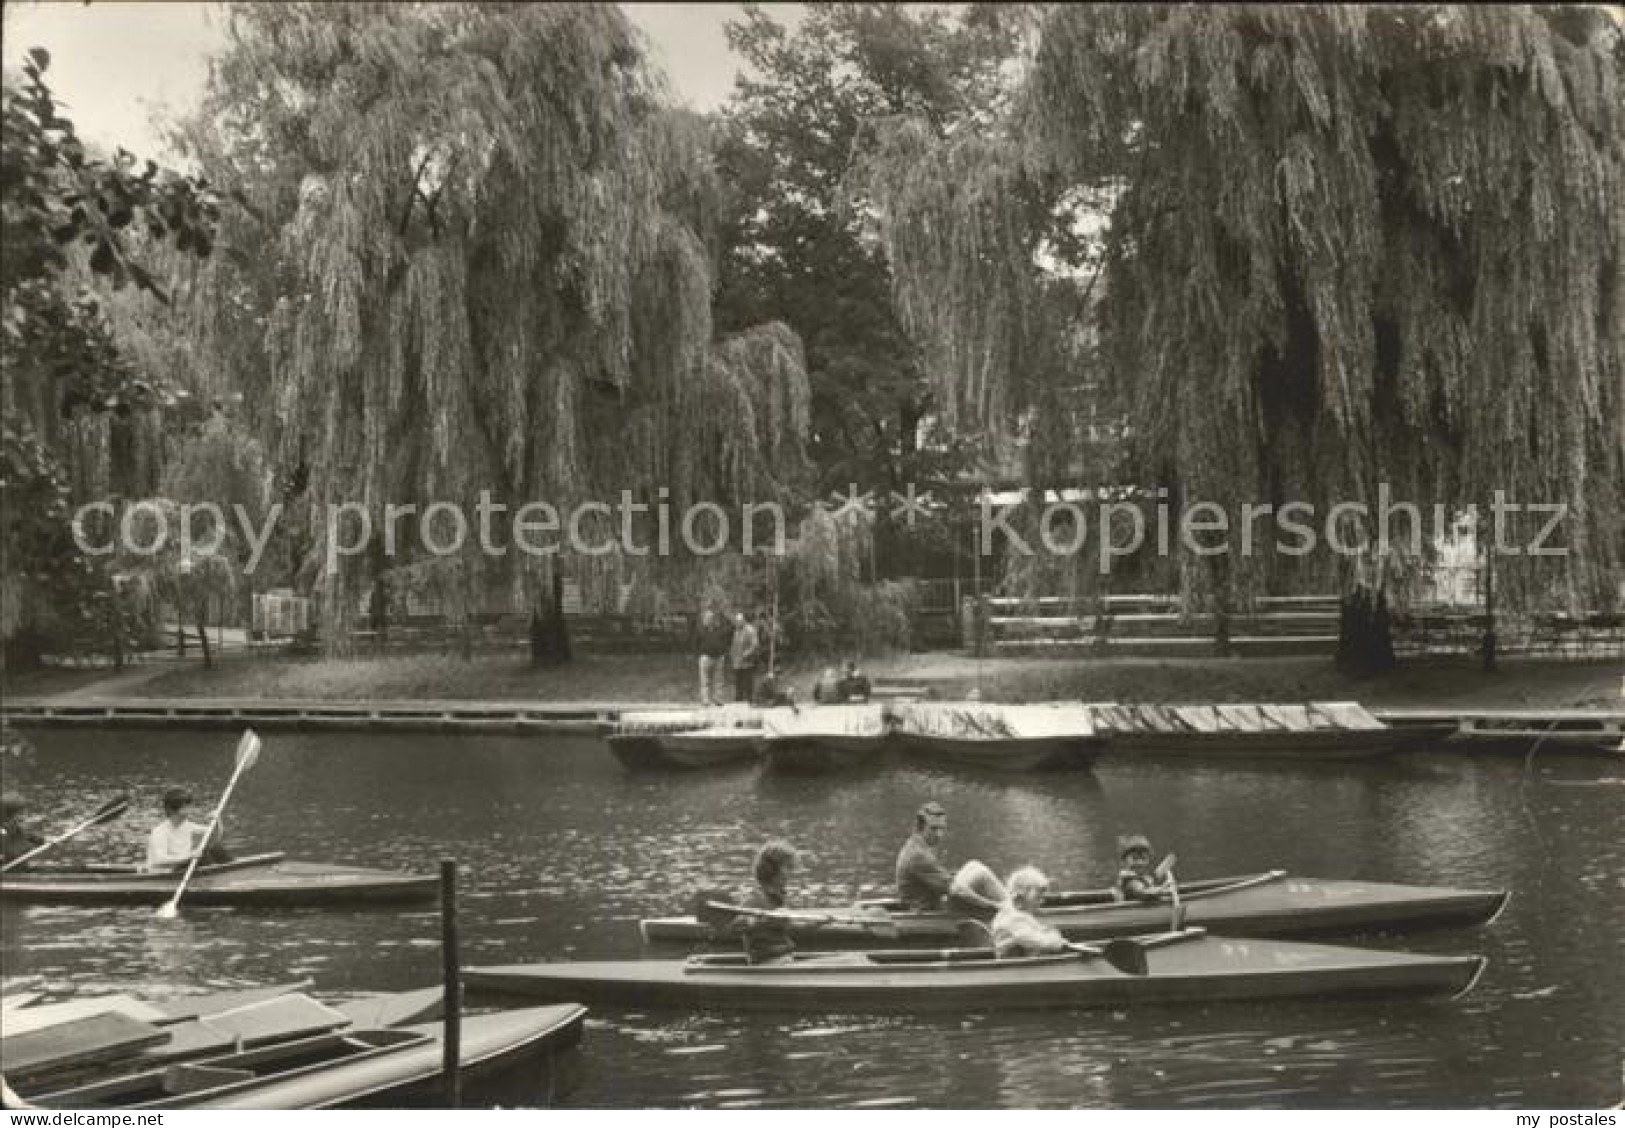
point(715, 637)
point(15, 837)
point(854, 684)
point(922, 881)
point(1137, 881)
point(767, 939)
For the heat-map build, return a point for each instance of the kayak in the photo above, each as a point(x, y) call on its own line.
point(1019, 738)
point(1181, 967)
point(1318, 731)
point(263, 879)
point(1265, 904)
point(825, 738)
point(347, 1068)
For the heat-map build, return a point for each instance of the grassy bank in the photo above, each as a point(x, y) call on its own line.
point(671, 678)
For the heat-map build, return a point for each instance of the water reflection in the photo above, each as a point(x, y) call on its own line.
point(562, 852)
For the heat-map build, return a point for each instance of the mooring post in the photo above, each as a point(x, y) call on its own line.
point(451, 1061)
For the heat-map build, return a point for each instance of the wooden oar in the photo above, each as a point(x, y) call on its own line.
point(715, 909)
point(107, 812)
point(248, 750)
point(1176, 920)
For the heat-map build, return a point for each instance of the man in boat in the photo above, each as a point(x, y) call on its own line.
point(15, 837)
point(715, 637)
point(742, 651)
point(1137, 880)
point(1016, 930)
point(923, 883)
point(174, 840)
point(854, 684)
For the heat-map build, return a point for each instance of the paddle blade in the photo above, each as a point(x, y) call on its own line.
point(248, 750)
point(169, 910)
point(1127, 956)
point(109, 811)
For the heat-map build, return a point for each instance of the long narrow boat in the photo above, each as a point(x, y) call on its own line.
point(688, 738)
point(1340, 730)
point(263, 879)
point(1183, 967)
point(345, 1069)
point(1519, 732)
point(1021, 738)
point(825, 738)
point(1264, 904)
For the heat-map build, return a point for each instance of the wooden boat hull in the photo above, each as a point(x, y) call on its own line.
point(822, 753)
point(321, 1077)
point(1203, 970)
point(1009, 754)
point(1272, 904)
point(274, 881)
point(707, 748)
point(1328, 745)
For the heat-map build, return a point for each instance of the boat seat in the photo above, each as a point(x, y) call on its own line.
point(182, 1079)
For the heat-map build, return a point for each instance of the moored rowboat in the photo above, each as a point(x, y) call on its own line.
point(338, 1070)
point(263, 879)
point(1318, 731)
point(688, 738)
point(1266, 904)
point(1020, 738)
point(825, 738)
point(1187, 967)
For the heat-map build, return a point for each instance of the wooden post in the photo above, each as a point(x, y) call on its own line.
point(452, 1049)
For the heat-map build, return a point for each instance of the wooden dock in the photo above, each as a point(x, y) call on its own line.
point(372, 716)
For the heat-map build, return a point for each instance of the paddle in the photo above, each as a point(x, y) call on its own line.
point(1127, 956)
point(107, 812)
point(715, 909)
point(1166, 872)
point(248, 751)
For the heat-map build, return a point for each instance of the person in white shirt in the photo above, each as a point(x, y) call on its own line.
point(1016, 930)
point(174, 841)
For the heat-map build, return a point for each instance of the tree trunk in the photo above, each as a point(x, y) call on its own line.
point(1489, 644)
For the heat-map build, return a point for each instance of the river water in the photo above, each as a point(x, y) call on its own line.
point(562, 852)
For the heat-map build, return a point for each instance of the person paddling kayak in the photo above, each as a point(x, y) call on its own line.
point(1016, 931)
point(1137, 880)
point(767, 939)
point(15, 837)
point(923, 883)
point(174, 840)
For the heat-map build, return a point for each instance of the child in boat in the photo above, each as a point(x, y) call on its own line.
point(173, 841)
point(1137, 880)
point(1016, 931)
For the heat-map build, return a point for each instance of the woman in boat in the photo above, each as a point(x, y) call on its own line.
point(15, 837)
point(174, 840)
point(1137, 881)
point(1016, 931)
point(767, 939)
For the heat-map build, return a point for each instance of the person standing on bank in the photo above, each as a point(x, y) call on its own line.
point(742, 655)
point(715, 637)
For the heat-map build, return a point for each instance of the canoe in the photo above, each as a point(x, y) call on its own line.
point(1265, 904)
point(1574, 734)
point(1020, 738)
point(354, 1068)
point(1190, 967)
point(825, 738)
point(1318, 731)
point(265, 879)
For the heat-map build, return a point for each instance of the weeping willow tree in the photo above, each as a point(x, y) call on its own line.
point(1344, 247)
point(478, 250)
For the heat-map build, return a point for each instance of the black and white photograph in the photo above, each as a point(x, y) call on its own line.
point(861, 556)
